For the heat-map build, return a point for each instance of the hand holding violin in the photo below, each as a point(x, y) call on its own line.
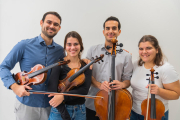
point(20, 90)
point(154, 89)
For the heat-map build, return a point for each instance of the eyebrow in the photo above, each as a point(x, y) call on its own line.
point(54, 22)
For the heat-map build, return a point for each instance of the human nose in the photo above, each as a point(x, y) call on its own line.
point(111, 30)
point(52, 25)
point(144, 51)
point(73, 46)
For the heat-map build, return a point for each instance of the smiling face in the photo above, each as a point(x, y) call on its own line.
point(72, 47)
point(111, 30)
point(147, 52)
point(50, 26)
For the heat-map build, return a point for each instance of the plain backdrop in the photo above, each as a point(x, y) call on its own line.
point(20, 19)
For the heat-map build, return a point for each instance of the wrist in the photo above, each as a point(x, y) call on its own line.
point(159, 91)
point(13, 86)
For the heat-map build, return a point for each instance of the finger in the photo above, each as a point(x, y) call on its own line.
point(27, 94)
point(27, 87)
point(91, 67)
point(50, 95)
point(147, 86)
point(126, 50)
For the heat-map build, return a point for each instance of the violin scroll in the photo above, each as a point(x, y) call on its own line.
point(98, 58)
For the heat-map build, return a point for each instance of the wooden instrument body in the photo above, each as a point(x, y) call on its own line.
point(22, 77)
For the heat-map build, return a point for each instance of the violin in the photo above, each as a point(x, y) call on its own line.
point(37, 75)
point(116, 104)
point(75, 77)
point(152, 108)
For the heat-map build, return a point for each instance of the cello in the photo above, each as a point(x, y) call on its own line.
point(152, 108)
point(116, 104)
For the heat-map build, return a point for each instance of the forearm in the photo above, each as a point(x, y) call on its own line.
point(95, 83)
point(168, 94)
point(126, 83)
point(6, 77)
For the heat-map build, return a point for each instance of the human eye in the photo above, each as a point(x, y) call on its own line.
point(68, 44)
point(75, 44)
point(148, 48)
point(114, 28)
point(56, 24)
point(107, 28)
point(140, 48)
point(49, 22)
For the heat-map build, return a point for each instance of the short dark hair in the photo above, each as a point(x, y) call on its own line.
point(159, 60)
point(114, 19)
point(53, 13)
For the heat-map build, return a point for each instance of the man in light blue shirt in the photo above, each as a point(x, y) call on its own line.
point(39, 50)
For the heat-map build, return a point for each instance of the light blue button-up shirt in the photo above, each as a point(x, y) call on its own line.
point(28, 53)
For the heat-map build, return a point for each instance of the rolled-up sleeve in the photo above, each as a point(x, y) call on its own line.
point(128, 68)
point(14, 56)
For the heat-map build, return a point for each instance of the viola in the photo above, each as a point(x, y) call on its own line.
point(116, 104)
point(75, 77)
point(152, 108)
point(37, 75)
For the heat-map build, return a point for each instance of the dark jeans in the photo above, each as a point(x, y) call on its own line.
point(135, 116)
point(90, 115)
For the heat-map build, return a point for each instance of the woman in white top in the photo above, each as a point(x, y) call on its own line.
point(165, 88)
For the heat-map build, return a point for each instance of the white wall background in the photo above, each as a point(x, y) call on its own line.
point(20, 19)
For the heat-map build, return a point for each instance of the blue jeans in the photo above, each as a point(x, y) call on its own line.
point(76, 112)
point(135, 116)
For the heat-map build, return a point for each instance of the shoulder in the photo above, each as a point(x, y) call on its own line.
point(126, 54)
point(135, 64)
point(166, 68)
point(96, 47)
point(58, 46)
point(167, 72)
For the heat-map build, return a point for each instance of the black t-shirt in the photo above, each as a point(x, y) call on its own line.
point(59, 73)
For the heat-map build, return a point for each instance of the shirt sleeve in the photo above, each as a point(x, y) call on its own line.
point(89, 54)
point(54, 79)
point(83, 89)
point(14, 56)
point(169, 74)
point(128, 68)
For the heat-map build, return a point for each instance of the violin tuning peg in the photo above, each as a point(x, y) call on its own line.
point(147, 74)
point(99, 62)
point(121, 50)
point(102, 60)
point(92, 58)
point(157, 77)
point(147, 79)
point(156, 73)
point(107, 53)
point(121, 45)
point(108, 47)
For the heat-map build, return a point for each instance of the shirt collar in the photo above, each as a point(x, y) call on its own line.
point(42, 42)
point(102, 47)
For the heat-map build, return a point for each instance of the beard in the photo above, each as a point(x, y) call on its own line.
point(44, 31)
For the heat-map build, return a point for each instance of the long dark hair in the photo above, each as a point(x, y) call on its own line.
point(159, 60)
